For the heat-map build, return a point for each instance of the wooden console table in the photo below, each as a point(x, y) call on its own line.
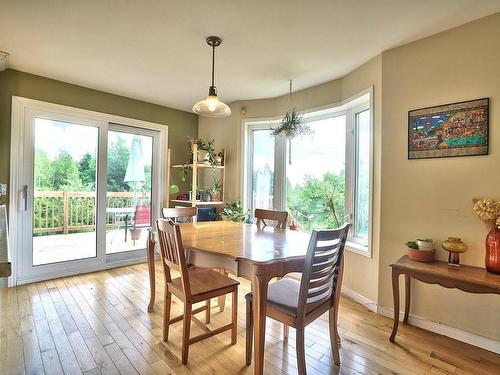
point(466, 278)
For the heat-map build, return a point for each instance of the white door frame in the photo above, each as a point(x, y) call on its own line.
point(22, 111)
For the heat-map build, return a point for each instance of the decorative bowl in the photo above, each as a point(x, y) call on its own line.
point(424, 256)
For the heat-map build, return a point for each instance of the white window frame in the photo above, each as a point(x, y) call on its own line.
point(350, 107)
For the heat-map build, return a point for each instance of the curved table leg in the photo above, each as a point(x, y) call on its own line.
point(395, 296)
point(259, 290)
point(407, 298)
point(150, 250)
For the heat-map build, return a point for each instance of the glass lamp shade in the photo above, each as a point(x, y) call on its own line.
point(212, 107)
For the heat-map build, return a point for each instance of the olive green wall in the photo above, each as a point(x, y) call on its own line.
point(15, 83)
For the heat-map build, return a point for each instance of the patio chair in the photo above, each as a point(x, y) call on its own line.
point(142, 219)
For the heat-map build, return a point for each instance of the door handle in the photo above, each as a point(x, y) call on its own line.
point(25, 197)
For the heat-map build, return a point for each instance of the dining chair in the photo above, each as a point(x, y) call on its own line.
point(280, 217)
point(298, 303)
point(193, 286)
point(179, 213)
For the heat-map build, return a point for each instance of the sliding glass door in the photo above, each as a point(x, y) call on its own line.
point(129, 189)
point(65, 191)
point(87, 194)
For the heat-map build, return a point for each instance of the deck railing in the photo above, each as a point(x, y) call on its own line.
point(65, 211)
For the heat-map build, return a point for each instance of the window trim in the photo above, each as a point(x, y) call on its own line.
point(349, 107)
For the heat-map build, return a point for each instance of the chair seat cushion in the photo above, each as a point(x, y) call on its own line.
point(203, 280)
point(282, 295)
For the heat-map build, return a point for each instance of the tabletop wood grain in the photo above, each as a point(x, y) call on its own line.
point(245, 241)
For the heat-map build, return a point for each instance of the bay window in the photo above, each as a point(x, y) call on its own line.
point(323, 179)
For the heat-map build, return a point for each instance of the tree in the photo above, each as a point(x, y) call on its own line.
point(65, 173)
point(311, 203)
point(117, 166)
point(87, 171)
point(43, 171)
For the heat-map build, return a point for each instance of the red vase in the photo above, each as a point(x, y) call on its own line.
point(492, 259)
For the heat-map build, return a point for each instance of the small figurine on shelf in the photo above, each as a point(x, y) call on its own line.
point(454, 246)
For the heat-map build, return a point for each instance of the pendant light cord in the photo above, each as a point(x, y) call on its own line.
point(213, 64)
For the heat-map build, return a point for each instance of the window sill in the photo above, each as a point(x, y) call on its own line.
point(358, 249)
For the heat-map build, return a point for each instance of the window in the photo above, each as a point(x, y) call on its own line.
point(324, 179)
point(262, 169)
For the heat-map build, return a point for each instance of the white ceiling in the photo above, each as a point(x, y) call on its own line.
point(155, 50)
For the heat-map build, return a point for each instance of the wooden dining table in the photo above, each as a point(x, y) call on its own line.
point(245, 251)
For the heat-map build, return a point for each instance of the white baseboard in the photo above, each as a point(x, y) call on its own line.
point(83, 270)
point(436, 327)
point(443, 329)
point(358, 298)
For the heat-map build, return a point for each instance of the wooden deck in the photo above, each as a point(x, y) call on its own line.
point(62, 247)
point(98, 324)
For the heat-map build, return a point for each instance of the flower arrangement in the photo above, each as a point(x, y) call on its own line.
point(488, 210)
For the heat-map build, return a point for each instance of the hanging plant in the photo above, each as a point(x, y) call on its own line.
point(292, 125)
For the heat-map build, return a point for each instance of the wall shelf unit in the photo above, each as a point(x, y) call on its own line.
point(196, 172)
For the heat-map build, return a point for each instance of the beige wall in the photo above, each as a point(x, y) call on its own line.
point(228, 134)
point(432, 197)
point(417, 198)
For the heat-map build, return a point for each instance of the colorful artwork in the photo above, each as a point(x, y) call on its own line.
point(458, 129)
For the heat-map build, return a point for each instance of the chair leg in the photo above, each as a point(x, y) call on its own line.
point(285, 327)
point(166, 313)
point(301, 357)
point(185, 332)
point(332, 318)
point(249, 332)
point(234, 316)
point(207, 312)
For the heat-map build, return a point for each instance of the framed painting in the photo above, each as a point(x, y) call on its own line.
point(456, 129)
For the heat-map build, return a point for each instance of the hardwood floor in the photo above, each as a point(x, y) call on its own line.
point(98, 324)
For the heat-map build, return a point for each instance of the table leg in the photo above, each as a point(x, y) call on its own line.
point(150, 250)
point(259, 288)
point(221, 300)
point(395, 296)
point(407, 298)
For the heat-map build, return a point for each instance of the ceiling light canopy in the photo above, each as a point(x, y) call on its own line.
point(212, 106)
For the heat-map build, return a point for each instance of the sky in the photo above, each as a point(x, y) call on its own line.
point(322, 151)
point(77, 140)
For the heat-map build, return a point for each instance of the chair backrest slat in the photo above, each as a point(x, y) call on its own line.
point(179, 212)
point(172, 252)
point(322, 267)
point(280, 217)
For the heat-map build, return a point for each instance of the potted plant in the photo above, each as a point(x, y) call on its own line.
point(215, 190)
point(292, 125)
point(420, 255)
point(206, 151)
point(234, 212)
point(205, 195)
point(425, 245)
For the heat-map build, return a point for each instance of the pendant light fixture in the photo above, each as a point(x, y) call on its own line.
point(212, 106)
